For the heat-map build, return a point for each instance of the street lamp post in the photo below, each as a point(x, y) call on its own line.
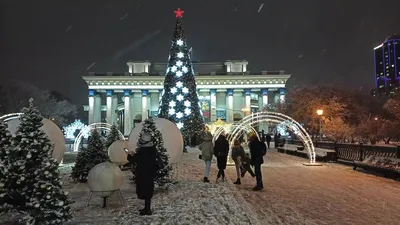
point(320, 112)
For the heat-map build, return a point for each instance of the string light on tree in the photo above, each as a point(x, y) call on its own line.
point(179, 125)
point(171, 111)
point(185, 69)
point(173, 69)
point(179, 55)
point(179, 97)
point(187, 111)
point(179, 115)
point(187, 103)
point(179, 63)
point(179, 73)
point(185, 90)
point(172, 104)
point(179, 42)
point(174, 90)
point(179, 84)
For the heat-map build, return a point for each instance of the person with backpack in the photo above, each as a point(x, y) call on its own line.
point(257, 152)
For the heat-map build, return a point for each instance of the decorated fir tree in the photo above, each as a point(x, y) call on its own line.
point(179, 102)
point(112, 136)
point(33, 184)
point(164, 169)
point(87, 158)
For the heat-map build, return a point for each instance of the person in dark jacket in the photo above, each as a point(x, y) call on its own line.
point(146, 168)
point(257, 152)
point(221, 150)
point(268, 139)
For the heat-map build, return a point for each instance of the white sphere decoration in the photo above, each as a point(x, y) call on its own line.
point(172, 137)
point(104, 179)
point(117, 153)
point(52, 131)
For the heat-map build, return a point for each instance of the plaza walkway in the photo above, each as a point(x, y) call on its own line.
point(331, 194)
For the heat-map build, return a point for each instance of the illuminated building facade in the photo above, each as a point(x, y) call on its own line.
point(227, 91)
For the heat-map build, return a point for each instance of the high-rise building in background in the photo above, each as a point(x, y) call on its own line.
point(387, 66)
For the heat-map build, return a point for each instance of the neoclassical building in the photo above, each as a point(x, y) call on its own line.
point(227, 91)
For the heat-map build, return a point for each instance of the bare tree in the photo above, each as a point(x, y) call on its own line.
point(14, 95)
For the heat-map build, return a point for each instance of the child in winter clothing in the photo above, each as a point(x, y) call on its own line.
point(246, 165)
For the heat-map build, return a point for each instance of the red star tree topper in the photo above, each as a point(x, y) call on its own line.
point(179, 13)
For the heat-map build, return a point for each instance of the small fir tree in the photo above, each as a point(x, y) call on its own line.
point(112, 137)
point(33, 183)
point(180, 102)
point(87, 158)
point(164, 169)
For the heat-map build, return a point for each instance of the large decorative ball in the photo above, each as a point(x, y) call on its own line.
point(117, 153)
point(52, 131)
point(172, 137)
point(104, 179)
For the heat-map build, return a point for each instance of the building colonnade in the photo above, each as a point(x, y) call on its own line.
point(125, 108)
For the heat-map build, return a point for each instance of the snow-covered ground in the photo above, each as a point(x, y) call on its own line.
point(190, 201)
point(331, 194)
point(293, 194)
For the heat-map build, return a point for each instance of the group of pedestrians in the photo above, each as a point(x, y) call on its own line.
point(243, 161)
point(146, 163)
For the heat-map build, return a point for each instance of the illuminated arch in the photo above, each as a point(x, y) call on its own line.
point(229, 130)
point(10, 116)
point(280, 118)
point(102, 126)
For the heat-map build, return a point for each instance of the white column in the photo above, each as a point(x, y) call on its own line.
point(282, 95)
point(114, 115)
point(213, 101)
point(265, 97)
point(127, 113)
point(91, 107)
point(247, 99)
point(229, 103)
point(97, 108)
point(109, 105)
point(145, 112)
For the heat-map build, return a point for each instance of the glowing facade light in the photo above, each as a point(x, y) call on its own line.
point(320, 112)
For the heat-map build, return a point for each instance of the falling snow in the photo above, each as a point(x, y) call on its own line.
point(123, 17)
point(68, 28)
point(261, 6)
point(90, 66)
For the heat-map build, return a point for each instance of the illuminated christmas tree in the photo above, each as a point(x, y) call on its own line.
point(179, 102)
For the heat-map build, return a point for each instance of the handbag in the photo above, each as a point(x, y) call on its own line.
point(200, 157)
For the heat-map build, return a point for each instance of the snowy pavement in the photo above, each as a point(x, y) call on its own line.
point(190, 201)
point(331, 194)
point(293, 194)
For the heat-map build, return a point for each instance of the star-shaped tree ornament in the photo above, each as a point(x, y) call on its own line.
point(179, 13)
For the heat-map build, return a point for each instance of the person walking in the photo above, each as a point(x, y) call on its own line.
point(238, 155)
point(257, 152)
point(268, 139)
point(221, 150)
point(146, 168)
point(207, 150)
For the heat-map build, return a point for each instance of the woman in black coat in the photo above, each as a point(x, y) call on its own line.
point(146, 168)
point(221, 150)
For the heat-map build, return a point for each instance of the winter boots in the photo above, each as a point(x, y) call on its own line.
point(146, 211)
point(237, 181)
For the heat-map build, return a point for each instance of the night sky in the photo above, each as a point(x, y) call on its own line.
point(51, 43)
